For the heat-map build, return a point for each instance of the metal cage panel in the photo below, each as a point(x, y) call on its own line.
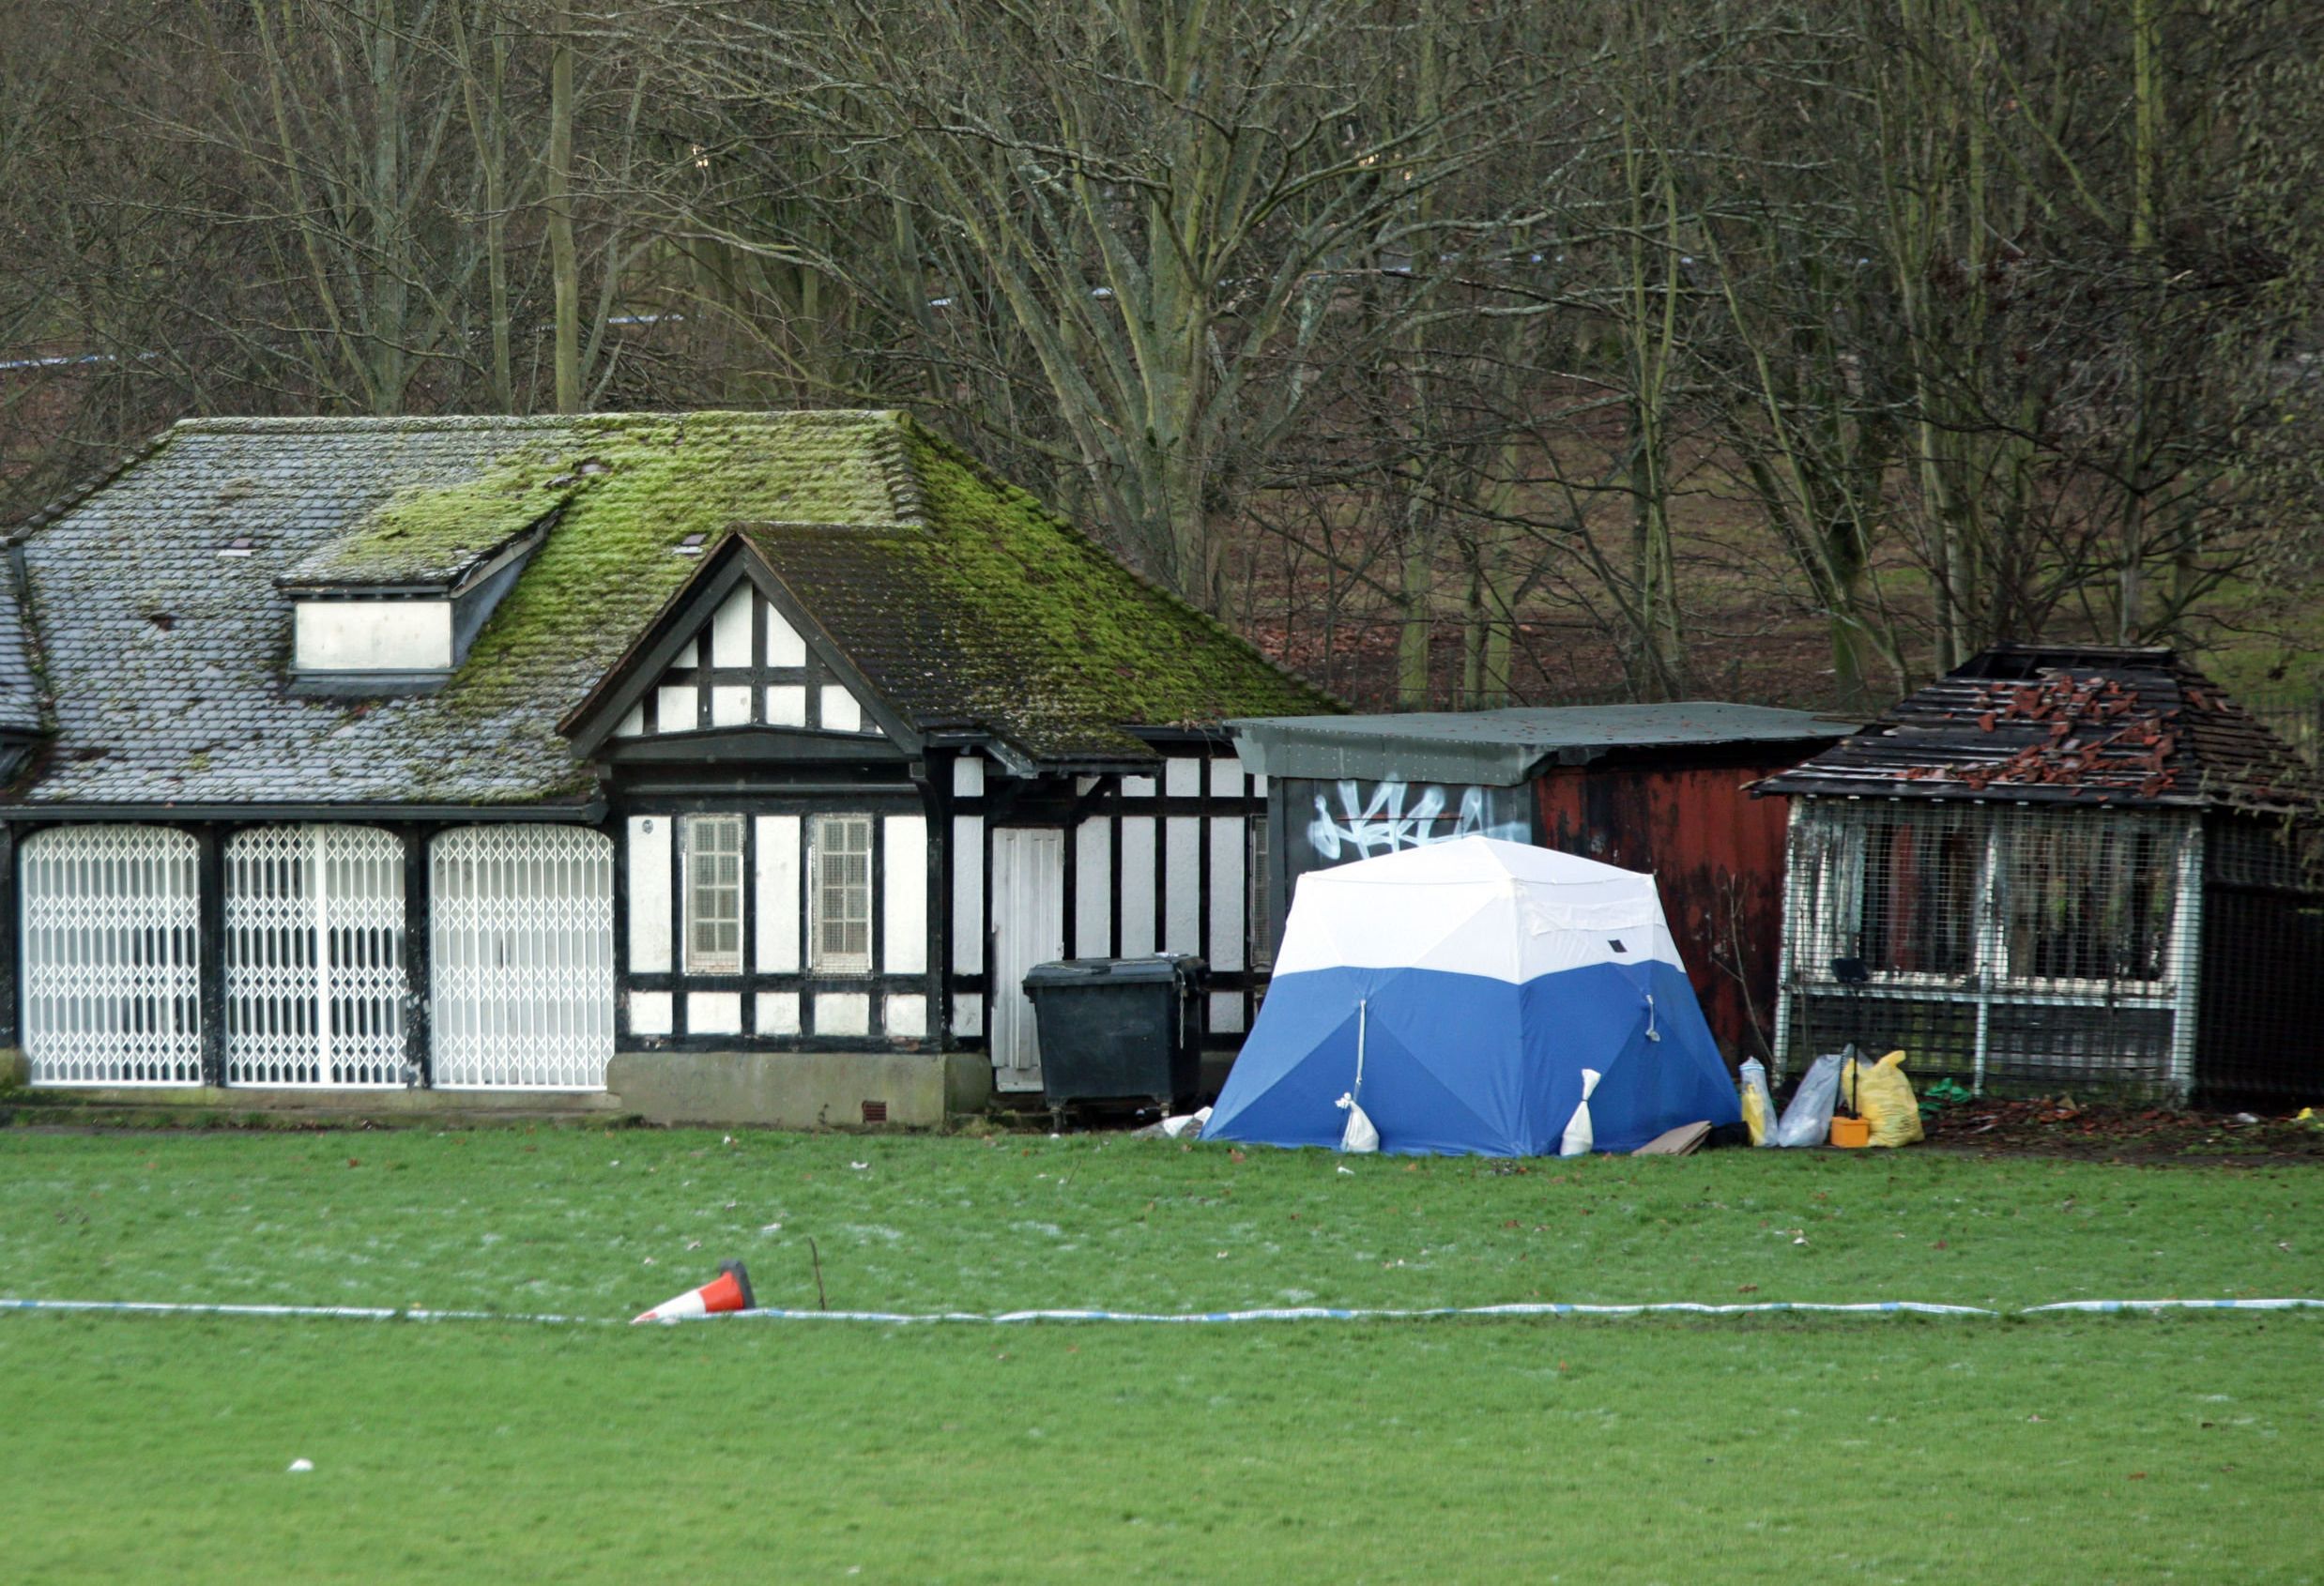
point(111, 923)
point(2004, 945)
point(521, 922)
point(314, 957)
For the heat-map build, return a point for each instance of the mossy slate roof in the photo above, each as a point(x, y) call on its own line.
point(165, 665)
point(990, 609)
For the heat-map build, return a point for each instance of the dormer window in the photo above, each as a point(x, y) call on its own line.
point(240, 545)
point(392, 607)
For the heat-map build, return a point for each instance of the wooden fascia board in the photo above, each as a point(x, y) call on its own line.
point(753, 742)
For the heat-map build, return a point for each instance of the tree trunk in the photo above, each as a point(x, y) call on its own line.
point(564, 260)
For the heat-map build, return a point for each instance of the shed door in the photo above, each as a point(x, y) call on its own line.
point(522, 927)
point(1029, 928)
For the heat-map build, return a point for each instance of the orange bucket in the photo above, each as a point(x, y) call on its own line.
point(1851, 1134)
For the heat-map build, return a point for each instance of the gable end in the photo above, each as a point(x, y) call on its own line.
point(735, 652)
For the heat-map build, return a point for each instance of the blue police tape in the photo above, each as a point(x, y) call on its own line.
point(1522, 1310)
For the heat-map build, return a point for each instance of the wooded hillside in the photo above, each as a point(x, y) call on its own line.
point(1778, 349)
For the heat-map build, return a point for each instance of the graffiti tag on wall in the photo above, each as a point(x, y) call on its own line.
point(1394, 815)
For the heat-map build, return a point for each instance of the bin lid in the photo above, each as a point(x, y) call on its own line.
point(1151, 967)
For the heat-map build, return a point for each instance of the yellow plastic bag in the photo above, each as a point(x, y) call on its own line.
point(1758, 1105)
point(1883, 1097)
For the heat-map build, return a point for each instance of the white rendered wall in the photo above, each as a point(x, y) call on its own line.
point(1136, 883)
point(842, 1012)
point(1092, 901)
point(649, 893)
point(1181, 900)
point(714, 1013)
point(904, 929)
point(968, 894)
point(372, 636)
point(784, 648)
point(841, 710)
point(730, 630)
point(778, 896)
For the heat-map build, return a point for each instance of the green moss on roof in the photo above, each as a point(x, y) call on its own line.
point(963, 601)
point(434, 534)
point(998, 611)
point(612, 562)
point(1104, 643)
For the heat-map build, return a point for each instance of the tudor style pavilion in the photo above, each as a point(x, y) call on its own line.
point(741, 764)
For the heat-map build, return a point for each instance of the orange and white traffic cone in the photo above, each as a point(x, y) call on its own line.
point(731, 1290)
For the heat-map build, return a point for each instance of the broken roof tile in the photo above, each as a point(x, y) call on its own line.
point(2093, 725)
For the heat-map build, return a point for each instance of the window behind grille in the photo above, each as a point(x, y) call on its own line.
point(1918, 913)
point(839, 927)
point(2089, 896)
point(715, 894)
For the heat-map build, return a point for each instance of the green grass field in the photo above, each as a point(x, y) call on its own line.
point(2051, 1449)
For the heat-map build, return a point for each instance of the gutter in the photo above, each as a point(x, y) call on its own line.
point(584, 814)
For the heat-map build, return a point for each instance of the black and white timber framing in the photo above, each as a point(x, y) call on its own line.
point(752, 713)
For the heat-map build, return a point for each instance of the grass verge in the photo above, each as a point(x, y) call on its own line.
point(2090, 1450)
point(2122, 1450)
point(606, 1223)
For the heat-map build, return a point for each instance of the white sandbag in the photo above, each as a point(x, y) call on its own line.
point(1581, 1138)
point(1185, 1123)
point(1359, 1135)
point(1808, 1122)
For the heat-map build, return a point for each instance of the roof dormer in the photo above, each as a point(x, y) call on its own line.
point(392, 606)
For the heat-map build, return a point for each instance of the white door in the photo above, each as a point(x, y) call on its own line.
point(1028, 928)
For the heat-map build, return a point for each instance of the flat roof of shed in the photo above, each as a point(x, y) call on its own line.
point(1504, 748)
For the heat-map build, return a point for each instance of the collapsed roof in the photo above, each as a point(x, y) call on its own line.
point(2091, 724)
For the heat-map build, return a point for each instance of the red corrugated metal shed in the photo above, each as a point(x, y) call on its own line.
point(1716, 855)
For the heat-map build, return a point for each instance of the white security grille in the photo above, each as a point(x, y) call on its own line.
point(315, 956)
point(112, 929)
point(2024, 945)
point(521, 921)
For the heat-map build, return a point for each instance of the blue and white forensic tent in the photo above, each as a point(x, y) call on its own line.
point(1459, 990)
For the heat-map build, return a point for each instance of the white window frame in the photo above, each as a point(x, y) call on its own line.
point(845, 836)
point(1257, 908)
point(701, 893)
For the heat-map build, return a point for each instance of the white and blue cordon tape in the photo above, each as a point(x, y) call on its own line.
point(1291, 1313)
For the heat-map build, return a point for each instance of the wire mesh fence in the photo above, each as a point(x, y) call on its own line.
point(2295, 715)
point(2039, 948)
